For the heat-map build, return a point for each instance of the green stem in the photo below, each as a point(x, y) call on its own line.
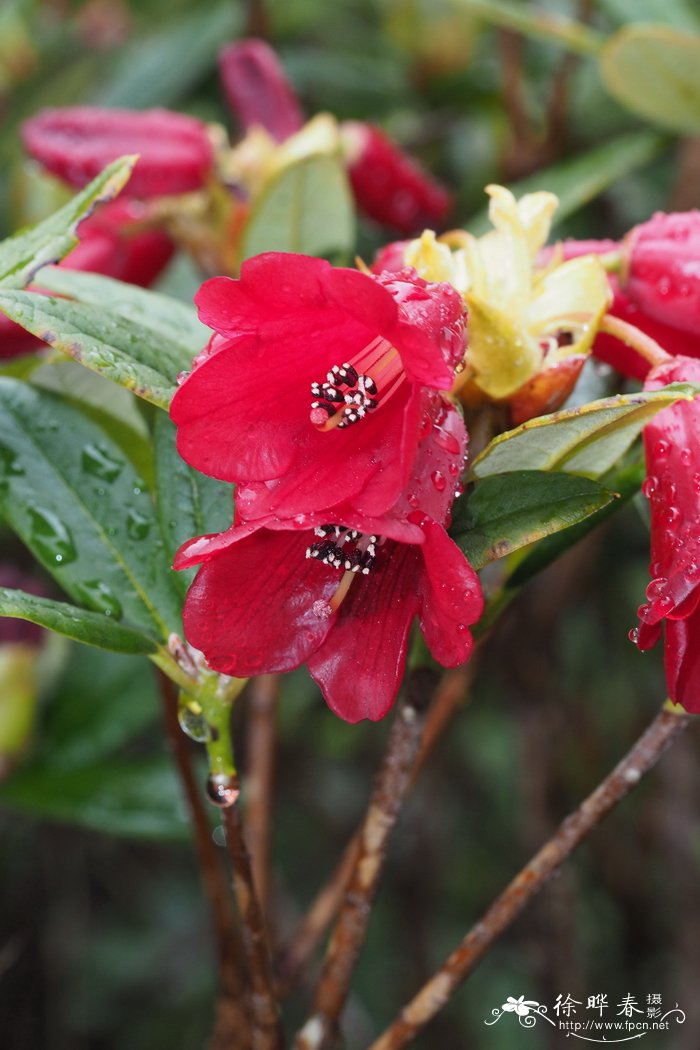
point(541, 24)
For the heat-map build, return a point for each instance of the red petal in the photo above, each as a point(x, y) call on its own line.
point(360, 665)
point(682, 660)
point(260, 606)
point(77, 142)
point(451, 595)
point(257, 88)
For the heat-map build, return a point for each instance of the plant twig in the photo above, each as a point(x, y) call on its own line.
point(667, 725)
point(231, 1013)
point(263, 693)
point(267, 1031)
point(350, 929)
point(302, 944)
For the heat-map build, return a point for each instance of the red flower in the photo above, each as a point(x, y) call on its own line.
point(630, 304)
point(389, 186)
point(313, 392)
point(342, 597)
point(663, 270)
point(76, 143)
point(112, 244)
point(672, 445)
point(257, 89)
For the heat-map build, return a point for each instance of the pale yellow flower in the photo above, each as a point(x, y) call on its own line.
point(258, 157)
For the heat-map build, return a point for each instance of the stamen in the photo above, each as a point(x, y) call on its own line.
point(359, 559)
point(350, 392)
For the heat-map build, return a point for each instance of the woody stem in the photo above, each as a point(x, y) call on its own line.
point(431, 998)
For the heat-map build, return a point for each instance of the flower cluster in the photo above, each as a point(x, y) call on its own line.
point(322, 395)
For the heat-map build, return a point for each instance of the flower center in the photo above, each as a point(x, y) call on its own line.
point(350, 391)
point(346, 549)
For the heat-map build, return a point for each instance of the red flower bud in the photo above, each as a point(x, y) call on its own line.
point(76, 143)
point(663, 269)
point(389, 186)
point(257, 88)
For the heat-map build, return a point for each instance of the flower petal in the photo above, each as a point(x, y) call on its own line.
point(682, 660)
point(360, 664)
point(260, 605)
point(451, 597)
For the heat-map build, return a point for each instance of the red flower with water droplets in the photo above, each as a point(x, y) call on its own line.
point(672, 446)
point(77, 142)
point(390, 186)
point(662, 270)
point(341, 597)
point(634, 302)
point(312, 392)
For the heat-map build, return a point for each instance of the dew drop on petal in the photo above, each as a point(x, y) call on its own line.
point(662, 449)
point(438, 480)
point(686, 457)
point(649, 486)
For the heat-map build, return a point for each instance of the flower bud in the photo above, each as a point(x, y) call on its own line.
point(389, 186)
point(662, 272)
point(257, 89)
point(76, 143)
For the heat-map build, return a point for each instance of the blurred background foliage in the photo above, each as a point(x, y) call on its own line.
point(103, 933)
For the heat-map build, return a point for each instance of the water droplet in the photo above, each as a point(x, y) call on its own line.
point(412, 500)
point(633, 635)
point(137, 526)
point(453, 469)
point(663, 605)
point(649, 486)
point(447, 441)
point(194, 725)
point(692, 570)
point(222, 790)
point(686, 457)
point(426, 426)
point(645, 613)
point(97, 595)
point(51, 537)
point(98, 460)
point(656, 588)
point(438, 480)
point(462, 628)
point(696, 482)
point(671, 516)
point(661, 449)
point(181, 377)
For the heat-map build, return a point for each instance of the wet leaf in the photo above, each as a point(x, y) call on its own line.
point(507, 511)
point(653, 71)
point(79, 624)
point(137, 356)
point(25, 253)
point(189, 503)
point(588, 439)
point(77, 502)
point(307, 208)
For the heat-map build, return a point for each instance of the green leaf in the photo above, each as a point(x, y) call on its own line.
point(189, 503)
point(307, 208)
point(653, 71)
point(25, 253)
point(131, 353)
point(582, 179)
point(79, 624)
point(588, 439)
point(624, 482)
point(77, 502)
point(102, 703)
point(138, 799)
point(508, 511)
point(161, 314)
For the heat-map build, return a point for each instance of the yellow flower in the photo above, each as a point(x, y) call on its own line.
point(522, 318)
point(258, 157)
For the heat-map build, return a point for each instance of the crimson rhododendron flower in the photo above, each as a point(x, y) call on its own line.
point(672, 446)
point(662, 269)
point(312, 392)
point(273, 594)
point(77, 142)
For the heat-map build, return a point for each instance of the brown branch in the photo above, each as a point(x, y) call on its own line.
point(267, 1031)
point(232, 1020)
point(437, 991)
point(263, 693)
point(450, 694)
point(351, 927)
